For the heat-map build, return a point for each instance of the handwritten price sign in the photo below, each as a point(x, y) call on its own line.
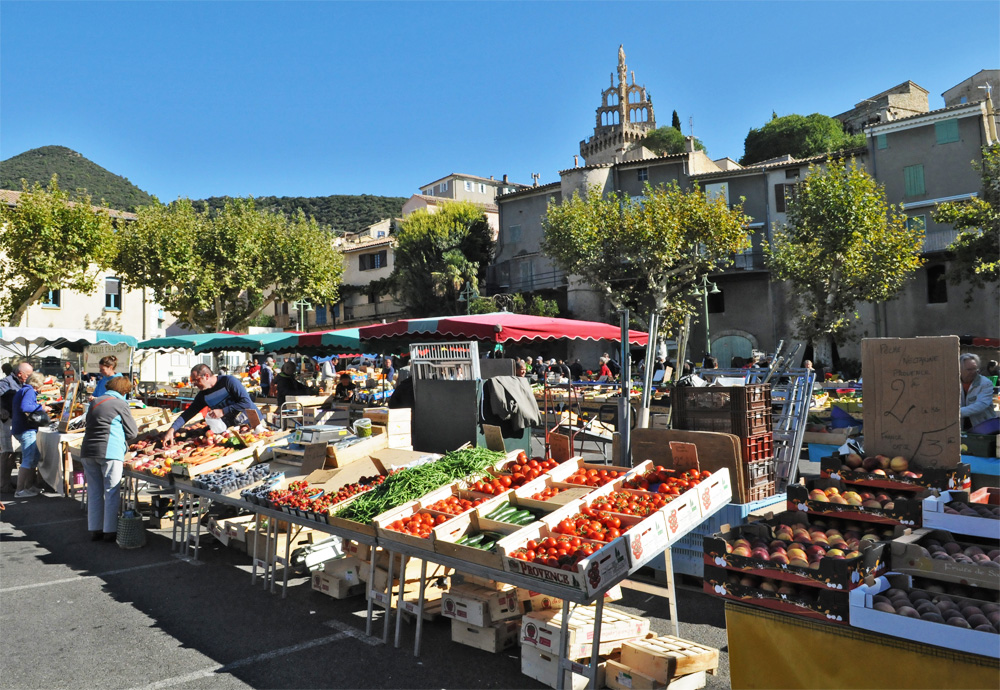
point(911, 399)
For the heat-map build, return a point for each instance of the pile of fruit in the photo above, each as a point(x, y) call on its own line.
point(801, 593)
point(563, 551)
point(455, 505)
point(940, 608)
point(980, 510)
point(597, 525)
point(419, 524)
point(864, 499)
point(299, 495)
point(881, 465)
point(631, 502)
point(359, 487)
point(592, 477)
point(667, 481)
point(955, 552)
point(547, 493)
point(258, 494)
point(226, 480)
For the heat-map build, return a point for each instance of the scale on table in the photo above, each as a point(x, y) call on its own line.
point(320, 433)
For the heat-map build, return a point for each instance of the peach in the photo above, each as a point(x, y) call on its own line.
point(742, 551)
point(817, 495)
point(871, 503)
point(852, 498)
point(853, 461)
point(761, 553)
point(831, 490)
point(884, 461)
point(840, 500)
point(899, 464)
point(768, 586)
point(779, 557)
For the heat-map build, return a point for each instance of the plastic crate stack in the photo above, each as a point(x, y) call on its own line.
point(741, 410)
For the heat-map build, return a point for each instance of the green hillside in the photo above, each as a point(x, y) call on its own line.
point(341, 213)
point(75, 172)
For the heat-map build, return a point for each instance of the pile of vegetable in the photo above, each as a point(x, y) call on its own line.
point(413, 482)
point(484, 541)
point(512, 514)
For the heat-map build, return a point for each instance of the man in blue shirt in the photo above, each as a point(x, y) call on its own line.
point(224, 395)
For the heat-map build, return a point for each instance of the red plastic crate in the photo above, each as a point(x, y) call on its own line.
point(760, 492)
point(723, 398)
point(759, 447)
point(742, 424)
point(759, 472)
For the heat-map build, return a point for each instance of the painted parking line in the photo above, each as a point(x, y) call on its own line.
point(77, 578)
point(351, 631)
point(225, 668)
point(46, 524)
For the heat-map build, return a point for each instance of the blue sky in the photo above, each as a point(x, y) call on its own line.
point(200, 99)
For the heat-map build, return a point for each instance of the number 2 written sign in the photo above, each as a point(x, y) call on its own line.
point(911, 399)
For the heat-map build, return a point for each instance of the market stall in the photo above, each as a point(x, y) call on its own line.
point(887, 550)
point(32, 342)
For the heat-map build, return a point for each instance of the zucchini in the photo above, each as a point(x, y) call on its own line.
point(520, 517)
point(461, 540)
point(474, 541)
point(487, 545)
point(505, 514)
point(506, 507)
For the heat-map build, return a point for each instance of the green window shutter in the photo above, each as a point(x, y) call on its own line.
point(946, 131)
point(913, 180)
point(880, 141)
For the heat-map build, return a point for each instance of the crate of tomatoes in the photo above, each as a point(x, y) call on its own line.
point(413, 523)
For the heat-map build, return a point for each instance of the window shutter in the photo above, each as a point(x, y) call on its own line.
point(881, 142)
point(946, 131)
point(913, 180)
point(779, 198)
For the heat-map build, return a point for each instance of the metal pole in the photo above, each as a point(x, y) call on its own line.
point(704, 300)
point(624, 402)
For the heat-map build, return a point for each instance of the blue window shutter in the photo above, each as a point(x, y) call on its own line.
point(881, 142)
point(913, 180)
point(946, 131)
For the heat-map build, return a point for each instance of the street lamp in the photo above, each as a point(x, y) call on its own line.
point(705, 292)
point(468, 294)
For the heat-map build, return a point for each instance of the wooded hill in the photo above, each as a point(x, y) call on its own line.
point(75, 172)
point(342, 213)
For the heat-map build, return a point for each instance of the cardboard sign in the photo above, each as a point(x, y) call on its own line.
point(314, 457)
point(67, 411)
point(911, 399)
point(92, 355)
point(560, 449)
point(494, 438)
point(685, 455)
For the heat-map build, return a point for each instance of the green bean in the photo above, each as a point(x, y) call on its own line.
point(413, 482)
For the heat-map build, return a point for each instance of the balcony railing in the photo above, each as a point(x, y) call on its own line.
point(548, 280)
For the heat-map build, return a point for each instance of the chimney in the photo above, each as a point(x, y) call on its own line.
point(689, 144)
point(576, 161)
point(491, 178)
point(505, 179)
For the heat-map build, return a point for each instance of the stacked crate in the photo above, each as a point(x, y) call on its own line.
point(741, 410)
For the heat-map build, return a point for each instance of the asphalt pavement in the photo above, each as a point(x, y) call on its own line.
point(80, 614)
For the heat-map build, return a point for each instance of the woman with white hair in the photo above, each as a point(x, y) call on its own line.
point(977, 393)
point(26, 429)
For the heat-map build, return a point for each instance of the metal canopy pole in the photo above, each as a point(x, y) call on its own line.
point(624, 402)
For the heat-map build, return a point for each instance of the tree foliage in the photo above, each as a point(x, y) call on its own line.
point(341, 213)
point(537, 306)
point(800, 136)
point(977, 248)
point(48, 242)
point(843, 244)
point(436, 254)
point(665, 141)
point(75, 172)
point(220, 271)
point(645, 254)
point(675, 121)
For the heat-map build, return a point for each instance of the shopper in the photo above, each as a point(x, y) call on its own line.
point(576, 370)
point(69, 376)
point(286, 384)
point(604, 375)
point(388, 371)
point(107, 367)
point(977, 393)
point(225, 397)
point(345, 389)
point(9, 386)
point(26, 430)
point(110, 428)
point(267, 376)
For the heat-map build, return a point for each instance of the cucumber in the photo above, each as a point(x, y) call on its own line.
point(462, 539)
point(519, 517)
point(505, 514)
point(496, 511)
point(474, 541)
point(486, 545)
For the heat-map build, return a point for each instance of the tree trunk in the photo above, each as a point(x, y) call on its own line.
point(15, 318)
point(822, 353)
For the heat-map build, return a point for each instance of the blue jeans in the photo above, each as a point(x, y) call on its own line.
point(29, 449)
point(104, 483)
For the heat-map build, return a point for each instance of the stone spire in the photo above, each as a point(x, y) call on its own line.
point(623, 119)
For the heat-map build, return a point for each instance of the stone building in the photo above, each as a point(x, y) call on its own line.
point(902, 100)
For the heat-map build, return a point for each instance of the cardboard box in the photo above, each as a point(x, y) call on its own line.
point(665, 658)
point(910, 395)
point(910, 556)
point(821, 604)
point(492, 638)
point(238, 527)
point(383, 416)
point(618, 676)
point(334, 586)
point(283, 540)
point(364, 448)
point(934, 516)
point(218, 530)
point(833, 437)
point(863, 615)
point(543, 629)
point(480, 606)
point(544, 667)
point(360, 551)
point(904, 511)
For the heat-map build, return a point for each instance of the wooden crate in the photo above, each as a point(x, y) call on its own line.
point(544, 667)
point(620, 677)
point(667, 657)
point(491, 638)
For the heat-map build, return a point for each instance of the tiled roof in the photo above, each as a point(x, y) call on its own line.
point(793, 163)
point(11, 198)
point(527, 191)
point(958, 106)
point(641, 162)
point(359, 246)
point(499, 182)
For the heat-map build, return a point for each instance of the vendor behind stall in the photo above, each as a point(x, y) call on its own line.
point(345, 389)
point(225, 397)
point(107, 367)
